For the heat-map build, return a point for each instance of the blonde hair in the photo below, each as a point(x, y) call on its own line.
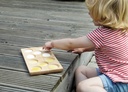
point(109, 13)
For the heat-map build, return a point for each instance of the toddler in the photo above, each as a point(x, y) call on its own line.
point(110, 44)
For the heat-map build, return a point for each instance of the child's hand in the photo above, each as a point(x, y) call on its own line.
point(48, 46)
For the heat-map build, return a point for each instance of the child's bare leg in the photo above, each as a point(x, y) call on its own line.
point(84, 72)
point(91, 85)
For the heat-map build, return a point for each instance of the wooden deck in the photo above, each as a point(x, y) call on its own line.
point(30, 23)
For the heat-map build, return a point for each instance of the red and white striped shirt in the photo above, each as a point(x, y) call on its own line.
point(111, 53)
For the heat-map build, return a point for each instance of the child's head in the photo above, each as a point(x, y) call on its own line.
point(109, 13)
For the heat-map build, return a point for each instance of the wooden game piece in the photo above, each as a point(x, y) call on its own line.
point(46, 55)
point(36, 69)
point(53, 66)
point(50, 59)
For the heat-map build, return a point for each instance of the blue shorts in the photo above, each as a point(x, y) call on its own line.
point(110, 86)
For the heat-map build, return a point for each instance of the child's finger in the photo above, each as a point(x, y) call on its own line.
point(46, 48)
point(69, 51)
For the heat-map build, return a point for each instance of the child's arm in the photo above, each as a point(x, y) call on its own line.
point(70, 44)
point(81, 50)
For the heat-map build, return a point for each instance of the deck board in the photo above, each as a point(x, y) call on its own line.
point(92, 62)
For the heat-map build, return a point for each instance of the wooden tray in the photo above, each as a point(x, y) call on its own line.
point(40, 61)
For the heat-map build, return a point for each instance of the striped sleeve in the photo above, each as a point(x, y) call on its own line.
point(96, 37)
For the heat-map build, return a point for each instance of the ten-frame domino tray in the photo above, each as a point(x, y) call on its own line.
point(40, 61)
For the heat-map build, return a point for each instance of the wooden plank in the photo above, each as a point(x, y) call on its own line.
point(68, 79)
point(44, 35)
point(41, 5)
point(21, 41)
point(24, 81)
point(44, 16)
point(14, 89)
point(41, 14)
point(44, 20)
point(85, 58)
point(43, 32)
point(92, 62)
point(38, 2)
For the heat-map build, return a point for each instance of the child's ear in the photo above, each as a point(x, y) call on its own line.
point(96, 23)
